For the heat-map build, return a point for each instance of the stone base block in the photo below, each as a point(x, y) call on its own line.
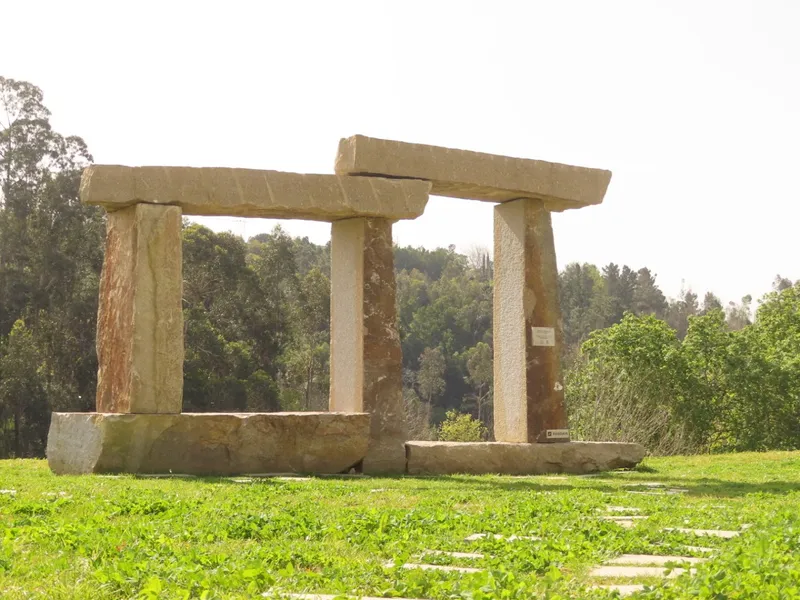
point(207, 443)
point(477, 458)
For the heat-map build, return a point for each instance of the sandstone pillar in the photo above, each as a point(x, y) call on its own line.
point(366, 359)
point(140, 318)
point(528, 388)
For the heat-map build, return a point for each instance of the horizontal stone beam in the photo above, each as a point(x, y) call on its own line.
point(207, 443)
point(253, 193)
point(478, 458)
point(474, 175)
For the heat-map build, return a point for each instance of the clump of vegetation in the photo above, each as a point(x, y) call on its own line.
point(716, 390)
point(461, 427)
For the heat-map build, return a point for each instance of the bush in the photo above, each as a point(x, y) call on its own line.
point(461, 427)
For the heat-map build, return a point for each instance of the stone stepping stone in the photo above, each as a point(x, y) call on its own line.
point(624, 590)
point(453, 554)
point(9, 492)
point(424, 567)
point(649, 484)
point(623, 521)
point(242, 479)
point(651, 559)
point(621, 509)
point(665, 492)
point(331, 597)
point(720, 533)
point(512, 538)
point(280, 476)
point(632, 571)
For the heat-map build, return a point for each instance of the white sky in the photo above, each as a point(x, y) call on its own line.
point(694, 106)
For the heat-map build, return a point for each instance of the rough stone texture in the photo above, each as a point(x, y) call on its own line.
point(366, 359)
point(720, 533)
point(206, 443)
point(140, 317)
point(443, 458)
point(465, 174)
point(652, 559)
point(528, 386)
point(253, 193)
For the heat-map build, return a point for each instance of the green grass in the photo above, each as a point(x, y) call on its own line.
point(129, 537)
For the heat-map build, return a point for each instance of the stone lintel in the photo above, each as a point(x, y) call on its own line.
point(366, 359)
point(478, 458)
point(207, 443)
point(253, 193)
point(529, 389)
point(474, 175)
point(140, 315)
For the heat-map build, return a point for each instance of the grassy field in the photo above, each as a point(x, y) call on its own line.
point(133, 537)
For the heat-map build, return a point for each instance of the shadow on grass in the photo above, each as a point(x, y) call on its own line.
point(696, 487)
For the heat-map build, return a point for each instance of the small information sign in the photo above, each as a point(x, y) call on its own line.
point(544, 336)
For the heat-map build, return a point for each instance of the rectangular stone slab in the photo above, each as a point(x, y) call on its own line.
point(140, 313)
point(207, 443)
point(253, 193)
point(366, 357)
point(474, 175)
point(478, 458)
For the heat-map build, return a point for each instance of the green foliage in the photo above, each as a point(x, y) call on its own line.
point(716, 390)
point(461, 427)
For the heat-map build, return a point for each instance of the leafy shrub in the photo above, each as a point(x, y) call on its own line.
point(461, 427)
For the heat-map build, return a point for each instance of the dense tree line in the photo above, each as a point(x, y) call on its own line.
point(698, 375)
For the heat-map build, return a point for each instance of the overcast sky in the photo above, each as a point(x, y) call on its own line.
point(694, 106)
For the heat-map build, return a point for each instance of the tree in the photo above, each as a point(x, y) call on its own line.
point(50, 257)
point(648, 299)
point(430, 377)
point(710, 303)
point(739, 314)
point(480, 374)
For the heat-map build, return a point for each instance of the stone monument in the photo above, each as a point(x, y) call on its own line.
point(139, 427)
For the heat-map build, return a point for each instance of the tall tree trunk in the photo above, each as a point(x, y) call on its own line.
point(17, 420)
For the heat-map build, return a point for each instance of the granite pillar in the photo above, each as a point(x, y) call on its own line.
point(140, 319)
point(366, 359)
point(528, 385)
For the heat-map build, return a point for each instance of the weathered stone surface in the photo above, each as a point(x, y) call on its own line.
point(443, 458)
point(653, 559)
point(140, 316)
point(638, 572)
point(366, 359)
point(465, 174)
point(528, 386)
point(720, 533)
point(207, 443)
point(253, 193)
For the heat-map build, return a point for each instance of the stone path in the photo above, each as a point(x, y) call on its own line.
point(651, 559)
point(453, 554)
point(720, 533)
point(623, 567)
point(426, 567)
point(497, 536)
point(636, 571)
